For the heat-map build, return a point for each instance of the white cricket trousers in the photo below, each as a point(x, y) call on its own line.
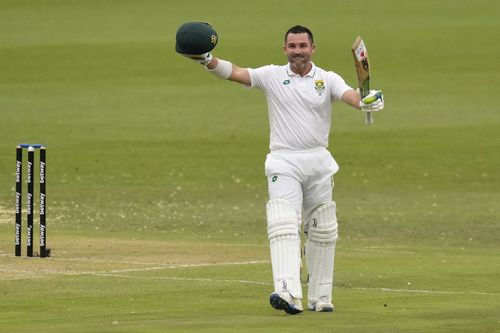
point(303, 177)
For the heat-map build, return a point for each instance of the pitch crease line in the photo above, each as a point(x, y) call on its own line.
point(90, 259)
point(426, 291)
point(156, 268)
point(181, 279)
point(423, 291)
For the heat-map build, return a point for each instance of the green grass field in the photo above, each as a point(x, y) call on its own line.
point(156, 186)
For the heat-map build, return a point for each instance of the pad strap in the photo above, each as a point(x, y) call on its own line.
point(323, 227)
point(281, 218)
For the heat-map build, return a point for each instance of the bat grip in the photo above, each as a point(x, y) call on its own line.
point(368, 118)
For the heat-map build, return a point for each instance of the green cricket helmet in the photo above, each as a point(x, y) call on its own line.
point(195, 38)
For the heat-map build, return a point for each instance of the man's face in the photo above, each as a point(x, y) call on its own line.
point(299, 51)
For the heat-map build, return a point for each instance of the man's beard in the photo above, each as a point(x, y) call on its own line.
point(299, 61)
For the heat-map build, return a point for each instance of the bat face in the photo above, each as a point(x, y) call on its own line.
point(362, 64)
point(365, 64)
point(359, 49)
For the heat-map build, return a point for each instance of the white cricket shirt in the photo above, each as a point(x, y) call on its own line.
point(299, 107)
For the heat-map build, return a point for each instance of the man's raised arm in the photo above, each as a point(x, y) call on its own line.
point(229, 71)
point(195, 40)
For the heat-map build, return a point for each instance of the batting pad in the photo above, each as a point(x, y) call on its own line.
point(320, 252)
point(283, 234)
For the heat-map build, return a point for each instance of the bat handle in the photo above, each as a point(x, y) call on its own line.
point(368, 118)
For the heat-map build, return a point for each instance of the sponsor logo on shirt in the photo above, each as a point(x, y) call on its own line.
point(286, 82)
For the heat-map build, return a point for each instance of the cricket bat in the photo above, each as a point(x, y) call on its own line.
point(362, 65)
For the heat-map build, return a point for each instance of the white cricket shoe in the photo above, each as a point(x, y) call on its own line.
point(284, 301)
point(323, 305)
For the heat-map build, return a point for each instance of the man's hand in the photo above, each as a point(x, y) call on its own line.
point(203, 59)
point(373, 102)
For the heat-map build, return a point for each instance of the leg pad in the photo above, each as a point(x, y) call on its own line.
point(283, 234)
point(320, 253)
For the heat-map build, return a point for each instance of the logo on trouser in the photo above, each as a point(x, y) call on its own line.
point(285, 286)
point(274, 178)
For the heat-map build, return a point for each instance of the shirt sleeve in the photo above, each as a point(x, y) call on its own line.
point(259, 77)
point(338, 86)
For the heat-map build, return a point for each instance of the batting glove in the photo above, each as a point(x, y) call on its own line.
point(203, 59)
point(373, 102)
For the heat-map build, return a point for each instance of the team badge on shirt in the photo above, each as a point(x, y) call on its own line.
point(319, 86)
